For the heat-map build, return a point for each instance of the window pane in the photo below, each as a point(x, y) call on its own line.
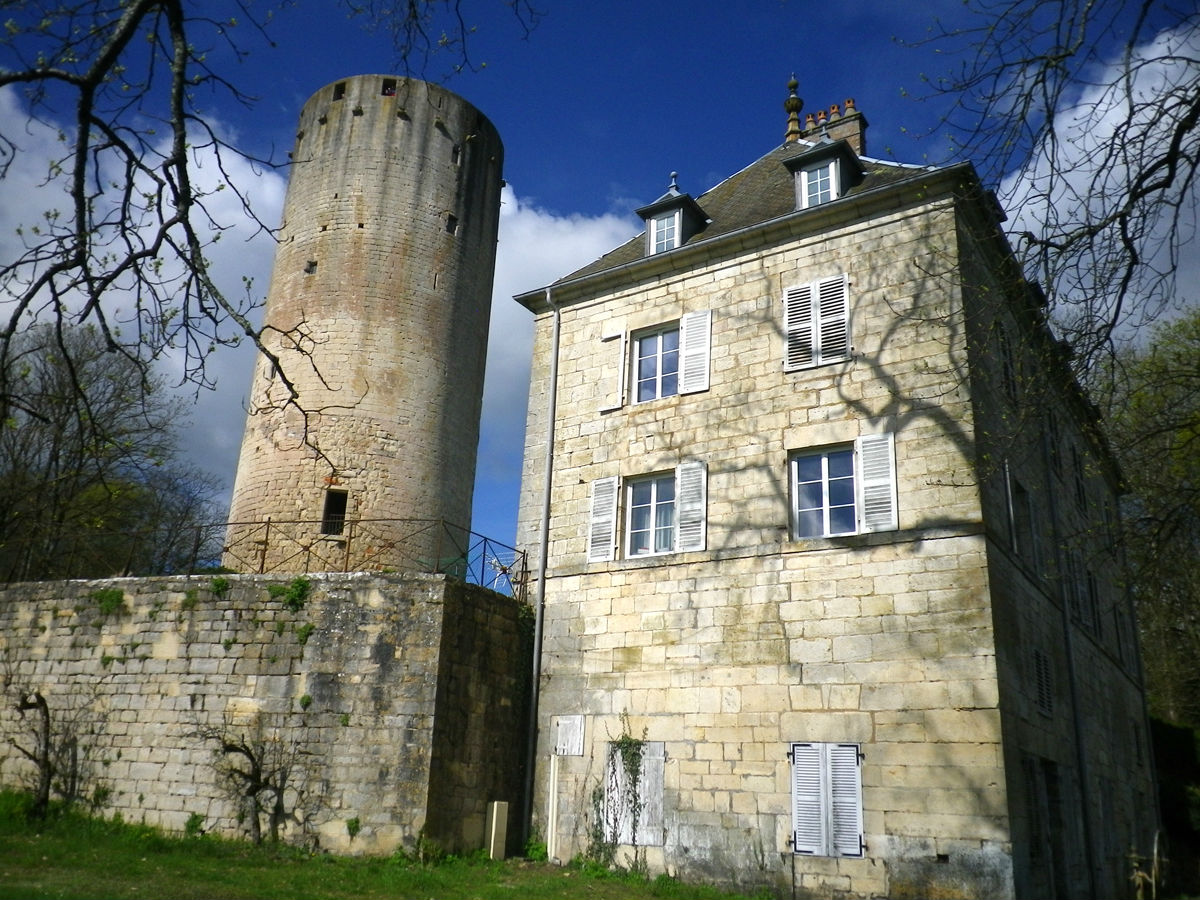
point(809, 496)
point(841, 492)
point(808, 468)
point(841, 464)
point(639, 543)
point(810, 523)
point(841, 520)
point(666, 488)
point(641, 492)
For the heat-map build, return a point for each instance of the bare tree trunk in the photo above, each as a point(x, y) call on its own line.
point(41, 755)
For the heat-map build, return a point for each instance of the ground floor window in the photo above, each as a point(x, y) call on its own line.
point(633, 791)
point(827, 799)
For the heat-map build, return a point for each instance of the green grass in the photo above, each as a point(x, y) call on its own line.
point(71, 855)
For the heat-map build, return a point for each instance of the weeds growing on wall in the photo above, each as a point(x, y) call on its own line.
point(292, 594)
point(109, 600)
point(617, 800)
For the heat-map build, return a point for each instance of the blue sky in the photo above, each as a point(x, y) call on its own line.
point(596, 107)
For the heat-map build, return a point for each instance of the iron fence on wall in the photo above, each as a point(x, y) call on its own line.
point(286, 547)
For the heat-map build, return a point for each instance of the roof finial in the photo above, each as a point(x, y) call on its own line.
point(674, 187)
point(792, 105)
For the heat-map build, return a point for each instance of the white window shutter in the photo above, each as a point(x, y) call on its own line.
point(808, 816)
point(798, 327)
point(691, 500)
point(602, 524)
point(833, 314)
point(649, 824)
point(613, 385)
point(877, 483)
point(694, 337)
point(845, 787)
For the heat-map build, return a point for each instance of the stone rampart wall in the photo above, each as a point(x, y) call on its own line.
point(375, 699)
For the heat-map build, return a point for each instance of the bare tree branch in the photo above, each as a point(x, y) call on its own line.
point(1087, 113)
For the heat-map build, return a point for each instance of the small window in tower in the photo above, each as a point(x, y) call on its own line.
point(455, 153)
point(333, 519)
point(339, 90)
point(310, 267)
point(451, 224)
point(389, 87)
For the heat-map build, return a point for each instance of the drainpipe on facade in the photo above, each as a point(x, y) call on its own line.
point(543, 554)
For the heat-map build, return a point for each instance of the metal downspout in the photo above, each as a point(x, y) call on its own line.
point(543, 554)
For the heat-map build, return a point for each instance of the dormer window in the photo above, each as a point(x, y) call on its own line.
point(824, 173)
point(817, 184)
point(664, 232)
point(671, 220)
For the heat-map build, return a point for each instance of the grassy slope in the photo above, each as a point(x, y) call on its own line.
point(73, 856)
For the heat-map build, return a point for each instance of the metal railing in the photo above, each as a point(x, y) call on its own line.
point(271, 546)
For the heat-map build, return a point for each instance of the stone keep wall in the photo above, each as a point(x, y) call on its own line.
point(382, 282)
point(395, 700)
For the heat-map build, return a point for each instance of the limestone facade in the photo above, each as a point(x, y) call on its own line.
point(737, 646)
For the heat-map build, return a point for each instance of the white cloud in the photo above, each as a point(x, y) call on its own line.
point(536, 248)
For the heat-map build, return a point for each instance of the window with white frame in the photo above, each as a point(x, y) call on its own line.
point(845, 489)
point(816, 323)
point(664, 232)
point(818, 184)
point(650, 515)
point(633, 793)
point(827, 815)
point(664, 513)
point(662, 361)
point(656, 364)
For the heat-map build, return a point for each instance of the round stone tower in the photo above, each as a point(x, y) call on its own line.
point(378, 311)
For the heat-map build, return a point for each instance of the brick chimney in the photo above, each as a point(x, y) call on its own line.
point(843, 123)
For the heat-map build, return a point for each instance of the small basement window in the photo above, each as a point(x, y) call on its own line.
point(333, 519)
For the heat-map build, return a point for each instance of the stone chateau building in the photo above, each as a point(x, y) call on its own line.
point(828, 591)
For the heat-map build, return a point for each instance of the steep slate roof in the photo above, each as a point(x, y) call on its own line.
point(762, 191)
